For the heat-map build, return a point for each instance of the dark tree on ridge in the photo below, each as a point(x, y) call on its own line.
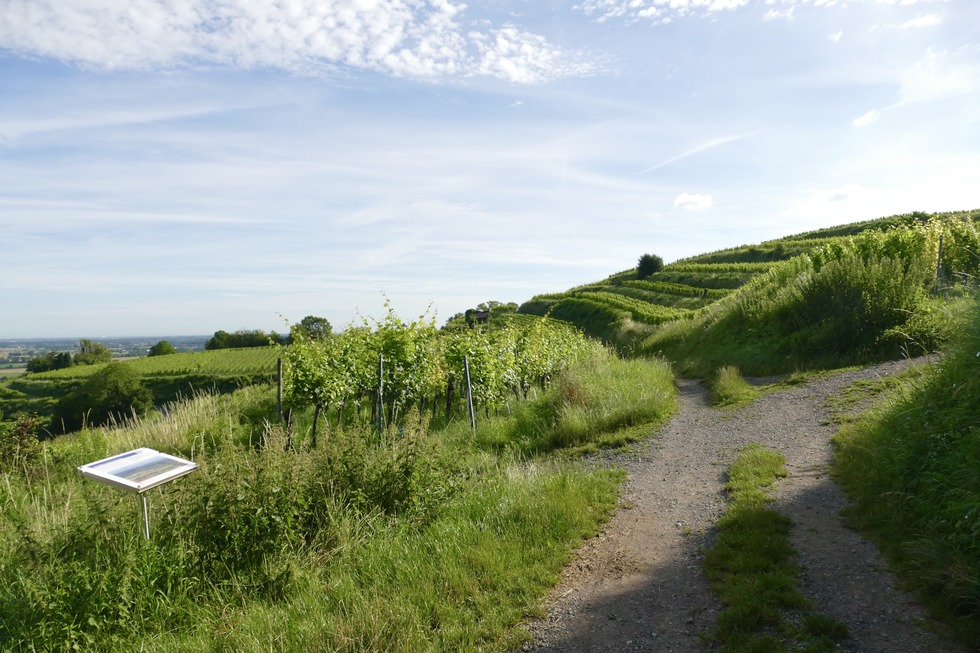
point(649, 264)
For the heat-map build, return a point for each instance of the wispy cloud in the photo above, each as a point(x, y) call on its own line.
point(654, 10)
point(929, 20)
point(400, 37)
point(866, 119)
point(693, 202)
point(663, 11)
point(713, 143)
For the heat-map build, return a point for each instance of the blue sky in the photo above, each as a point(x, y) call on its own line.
point(177, 167)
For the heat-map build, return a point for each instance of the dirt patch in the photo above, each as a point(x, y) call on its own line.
point(639, 585)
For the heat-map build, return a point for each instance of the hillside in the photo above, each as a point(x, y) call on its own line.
point(773, 305)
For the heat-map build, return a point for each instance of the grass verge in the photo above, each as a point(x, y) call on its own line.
point(911, 467)
point(753, 570)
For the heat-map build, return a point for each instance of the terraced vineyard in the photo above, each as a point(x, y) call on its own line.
point(625, 309)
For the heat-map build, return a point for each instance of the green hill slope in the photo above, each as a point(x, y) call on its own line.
point(845, 294)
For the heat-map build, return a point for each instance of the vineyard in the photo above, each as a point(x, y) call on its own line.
point(218, 362)
point(646, 314)
point(397, 366)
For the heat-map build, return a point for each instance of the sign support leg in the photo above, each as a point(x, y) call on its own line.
point(146, 515)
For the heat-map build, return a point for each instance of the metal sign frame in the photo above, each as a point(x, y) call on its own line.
point(137, 471)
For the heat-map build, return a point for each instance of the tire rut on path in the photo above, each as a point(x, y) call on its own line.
point(639, 585)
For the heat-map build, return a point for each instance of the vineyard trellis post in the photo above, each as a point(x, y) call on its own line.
point(469, 392)
point(939, 266)
point(279, 391)
point(381, 391)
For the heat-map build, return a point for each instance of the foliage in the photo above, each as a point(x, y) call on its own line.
point(423, 368)
point(852, 299)
point(19, 446)
point(649, 264)
point(162, 348)
point(91, 353)
point(53, 360)
point(312, 327)
point(114, 393)
point(415, 539)
point(600, 401)
point(912, 468)
point(243, 338)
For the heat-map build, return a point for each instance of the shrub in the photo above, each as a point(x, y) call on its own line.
point(19, 446)
point(114, 393)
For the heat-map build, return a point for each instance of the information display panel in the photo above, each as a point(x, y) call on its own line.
point(138, 470)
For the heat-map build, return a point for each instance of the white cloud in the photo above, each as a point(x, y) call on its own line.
point(398, 37)
point(929, 20)
point(866, 119)
point(938, 75)
point(635, 10)
point(836, 36)
point(774, 14)
point(693, 202)
point(661, 11)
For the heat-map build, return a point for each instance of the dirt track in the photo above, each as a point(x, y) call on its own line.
point(639, 585)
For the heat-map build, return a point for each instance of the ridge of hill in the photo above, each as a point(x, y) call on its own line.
point(634, 313)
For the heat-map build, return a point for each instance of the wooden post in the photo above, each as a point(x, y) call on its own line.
point(316, 421)
point(939, 265)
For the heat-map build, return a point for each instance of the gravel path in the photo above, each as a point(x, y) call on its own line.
point(639, 586)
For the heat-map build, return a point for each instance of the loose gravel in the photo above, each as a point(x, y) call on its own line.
point(639, 585)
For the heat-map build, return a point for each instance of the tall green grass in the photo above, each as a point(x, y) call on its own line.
point(912, 468)
point(415, 540)
point(851, 304)
point(729, 389)
point(595, 404)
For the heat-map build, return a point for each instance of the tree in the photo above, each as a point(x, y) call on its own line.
point(162, 348)
point(91, 352)
point(649, 264)
point(115, 392)
point(53, 360)
point(243, 338)
point(313, 327)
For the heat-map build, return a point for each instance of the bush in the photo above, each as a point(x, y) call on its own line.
point(114, 393)
point(19, 446)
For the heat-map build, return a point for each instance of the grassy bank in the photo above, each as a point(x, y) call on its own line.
point(912, 469)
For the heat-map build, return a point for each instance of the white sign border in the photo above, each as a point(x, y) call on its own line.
point(105, 470)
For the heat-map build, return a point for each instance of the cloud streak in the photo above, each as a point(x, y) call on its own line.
point(713, 143)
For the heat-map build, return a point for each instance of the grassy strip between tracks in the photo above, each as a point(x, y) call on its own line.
point(753, 569)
